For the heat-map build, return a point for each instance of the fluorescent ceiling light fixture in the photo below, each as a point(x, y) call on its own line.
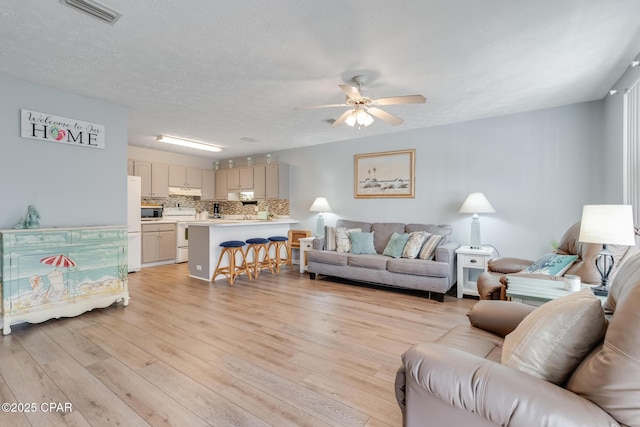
point(188, 143)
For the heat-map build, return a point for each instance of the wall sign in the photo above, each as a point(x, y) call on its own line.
point(47, 127)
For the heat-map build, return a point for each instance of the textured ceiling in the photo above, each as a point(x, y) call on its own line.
point(227, 71)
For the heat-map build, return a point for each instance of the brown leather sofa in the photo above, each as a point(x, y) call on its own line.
point(492, 284)
point(459, 381)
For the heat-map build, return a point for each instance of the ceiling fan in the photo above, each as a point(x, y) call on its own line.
point(364, 107)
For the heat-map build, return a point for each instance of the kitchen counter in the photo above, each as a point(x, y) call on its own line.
point(205, 237)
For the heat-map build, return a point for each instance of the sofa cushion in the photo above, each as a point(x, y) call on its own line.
point(414, 244)
point(372, 262)
point(396, 244)
point(430, 245)
point(365, 227)
point(443, 230)
point(343, 242)
point(418, 267)
point(475, 341)
point(551, 264)
point(330, 238)
point(327, 257)
point(384, 231)
point(361, 243)
point(552, 341)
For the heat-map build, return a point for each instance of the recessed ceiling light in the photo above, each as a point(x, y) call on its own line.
point(188, 143)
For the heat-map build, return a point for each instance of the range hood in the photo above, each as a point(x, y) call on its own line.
point(179, 191)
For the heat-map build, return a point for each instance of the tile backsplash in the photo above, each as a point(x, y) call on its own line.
point(227, 207)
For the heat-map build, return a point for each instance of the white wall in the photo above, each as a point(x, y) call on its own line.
point(69, 185)
point(538, 169)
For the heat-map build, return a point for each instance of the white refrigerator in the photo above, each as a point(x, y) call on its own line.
point(133, 222)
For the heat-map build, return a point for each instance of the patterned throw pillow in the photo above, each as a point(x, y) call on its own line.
point(430, 245)
point(362, 243)
point(396, 244)
point(551, 264)
point(330, 238)
point(343, 243)
point(415, 242)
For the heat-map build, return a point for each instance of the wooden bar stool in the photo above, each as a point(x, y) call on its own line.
point(279, 243)
point(231, 248)
point(258, 245)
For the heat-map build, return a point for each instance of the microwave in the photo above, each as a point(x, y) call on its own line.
point(151, 212)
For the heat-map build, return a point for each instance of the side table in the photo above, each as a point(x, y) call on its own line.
point(306, 243)
point(471, 259)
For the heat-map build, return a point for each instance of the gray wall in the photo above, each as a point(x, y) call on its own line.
point(537, 169)
point(70, 185)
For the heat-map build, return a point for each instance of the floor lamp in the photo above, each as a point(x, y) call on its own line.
point(320, 205)
point(607, 225)
point(476, 203)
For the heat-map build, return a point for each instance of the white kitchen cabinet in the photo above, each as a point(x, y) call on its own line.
point(260, 182)
point(158, 242)
point(221, 184)
point(185, 177)
point(239, 179)
point(270, 181)
point(130, 168)
point(154, 178)
point(208, 185)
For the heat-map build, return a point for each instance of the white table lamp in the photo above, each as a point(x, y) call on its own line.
point(606, 224)
point(320, 205)
point(476, 203)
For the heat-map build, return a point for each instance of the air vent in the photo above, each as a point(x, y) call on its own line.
point(94, 9)
point(248, 139)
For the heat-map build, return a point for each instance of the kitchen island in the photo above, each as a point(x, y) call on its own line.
point(205, 238)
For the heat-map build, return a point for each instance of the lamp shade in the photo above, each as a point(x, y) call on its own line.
point(607, 224)
point(320, 204)
point(476, 203)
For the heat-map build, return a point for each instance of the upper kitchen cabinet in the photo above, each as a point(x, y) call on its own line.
point(154, 178)
point(240, 179)
point(209, 185)
point(185, 177)
point(271, 181)
point(221, 184)
point(130, 168)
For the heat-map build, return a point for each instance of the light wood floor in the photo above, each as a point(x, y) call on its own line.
point(281, 351)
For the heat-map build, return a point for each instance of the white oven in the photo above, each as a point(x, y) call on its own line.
point(182, 216)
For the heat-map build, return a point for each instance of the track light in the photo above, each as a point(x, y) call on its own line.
point(188, 143)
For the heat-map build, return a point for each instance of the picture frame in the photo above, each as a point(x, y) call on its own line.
point(389, 174)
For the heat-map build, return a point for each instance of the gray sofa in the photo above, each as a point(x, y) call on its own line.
point(436, 276)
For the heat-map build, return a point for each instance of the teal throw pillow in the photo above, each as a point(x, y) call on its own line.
point(551, 264)
point(362, 243)
point(395, 246)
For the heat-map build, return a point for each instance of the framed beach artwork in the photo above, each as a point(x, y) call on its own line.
point(386, 174)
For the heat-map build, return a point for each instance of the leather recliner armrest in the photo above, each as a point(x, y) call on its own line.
point(498, 317)
point(508, 265)
point(497, 393)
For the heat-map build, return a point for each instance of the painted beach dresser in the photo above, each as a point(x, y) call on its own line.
point(61, 272)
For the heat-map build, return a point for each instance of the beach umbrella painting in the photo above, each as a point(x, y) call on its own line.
point(55, 277)
point(58, 261)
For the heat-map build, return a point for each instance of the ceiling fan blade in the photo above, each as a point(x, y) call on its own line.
point(352, 92)
point(341, 119)
point(397, 100)
point(313, 107)
point(383, 115)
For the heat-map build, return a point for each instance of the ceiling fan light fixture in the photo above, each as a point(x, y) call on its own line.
point(363, 118)
point(188, 143)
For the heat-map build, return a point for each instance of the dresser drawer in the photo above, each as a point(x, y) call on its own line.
point(38, 238)
point(99, 235)
point(158, 227)
point(473, 261)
